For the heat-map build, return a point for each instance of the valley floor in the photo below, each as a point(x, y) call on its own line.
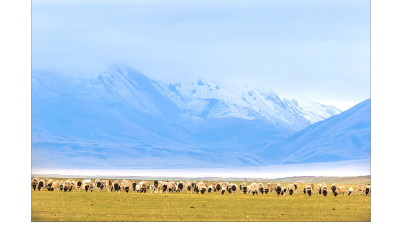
point(105, 206)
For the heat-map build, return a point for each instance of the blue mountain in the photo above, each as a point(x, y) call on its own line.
point(119, 118)
point(346, 136)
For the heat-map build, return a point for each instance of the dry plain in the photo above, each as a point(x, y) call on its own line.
point(132, 206)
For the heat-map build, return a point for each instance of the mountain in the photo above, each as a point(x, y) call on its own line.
point(346, 136)
point(119, 118)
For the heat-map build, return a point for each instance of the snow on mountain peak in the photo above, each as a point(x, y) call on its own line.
point(208, 99)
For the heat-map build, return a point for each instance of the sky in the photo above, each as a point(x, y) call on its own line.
point(310, 49)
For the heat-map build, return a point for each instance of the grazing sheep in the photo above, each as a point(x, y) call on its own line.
point(34, 184)
point(55, 185)
point(134, 183)
point(97, 184)
point(200, 187)
point(67, 185)
point(87, 185)
point(193, 184)
point(223, 190)
point(209, 189)
point(324, 190)
point(243, 187)
point(273, 186)
point(37, 179)
point(49, 184)
point(79, 185)
point(180, 186)
point(125, 184)
point(333, 188)
point(291, 189)
point(361, 189)
point(254, 188)
point(41, 184)
point(232, 187)
point(137, 188)
point(295, 187)
point(279, 189)
point(74, 185)
point(319, 188)
point(218, 186)
point(308, 189)
point(261, 188)
point(188, 186)
point(340, 190)
point(145, 186)
point(350, 190)
point(368, 190)
point(117, 185)
point(267, 188)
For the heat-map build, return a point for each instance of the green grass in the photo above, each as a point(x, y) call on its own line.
point(105, 206)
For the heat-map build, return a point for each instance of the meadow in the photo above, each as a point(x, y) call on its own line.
point(132, 206)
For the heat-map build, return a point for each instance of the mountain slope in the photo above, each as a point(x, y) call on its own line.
point(346, 136)
point(120, 118)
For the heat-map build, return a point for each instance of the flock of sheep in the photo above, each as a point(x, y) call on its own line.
point(190, 186)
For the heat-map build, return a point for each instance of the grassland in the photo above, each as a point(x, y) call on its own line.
point(105, 206)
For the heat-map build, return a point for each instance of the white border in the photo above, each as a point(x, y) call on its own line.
point(15, 112)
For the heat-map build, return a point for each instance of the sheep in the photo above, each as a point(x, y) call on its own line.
point(37, 179)
point(218, 186)
point(200, 187)
point(232, 188)
point(87, 185)
point(368, 190)
point(188, 186)
point(145, 186)
point(261, 188)
point(180, 186)
point(97, 183)
point(79, 185)
point(350, 190)
point(324, 190)
point(193, 184)
point(308, 189)
point(319, 188)
point(273, 186)
point(34, 184)
point(243, 187)
point(209, 189)
point(295, 187)
point(361, 189)
point(333, 188)
point(223, 190)
point(55, 185)
point(125, 184)
point(134, 184)
point(267, 188)
point(117, 185)
point(291, 189)
point(67, 186)
point(279, 189)
point(49, 183)
point(254, 188)
point(340, 190)
point(74, 185)
point(41, 184)
point(137, 188)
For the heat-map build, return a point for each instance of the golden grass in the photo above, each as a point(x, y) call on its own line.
point(105, 206)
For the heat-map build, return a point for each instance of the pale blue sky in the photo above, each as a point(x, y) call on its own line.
point(317, 50)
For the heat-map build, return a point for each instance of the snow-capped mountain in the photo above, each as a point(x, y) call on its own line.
point(120, 118)
point(207, 99)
